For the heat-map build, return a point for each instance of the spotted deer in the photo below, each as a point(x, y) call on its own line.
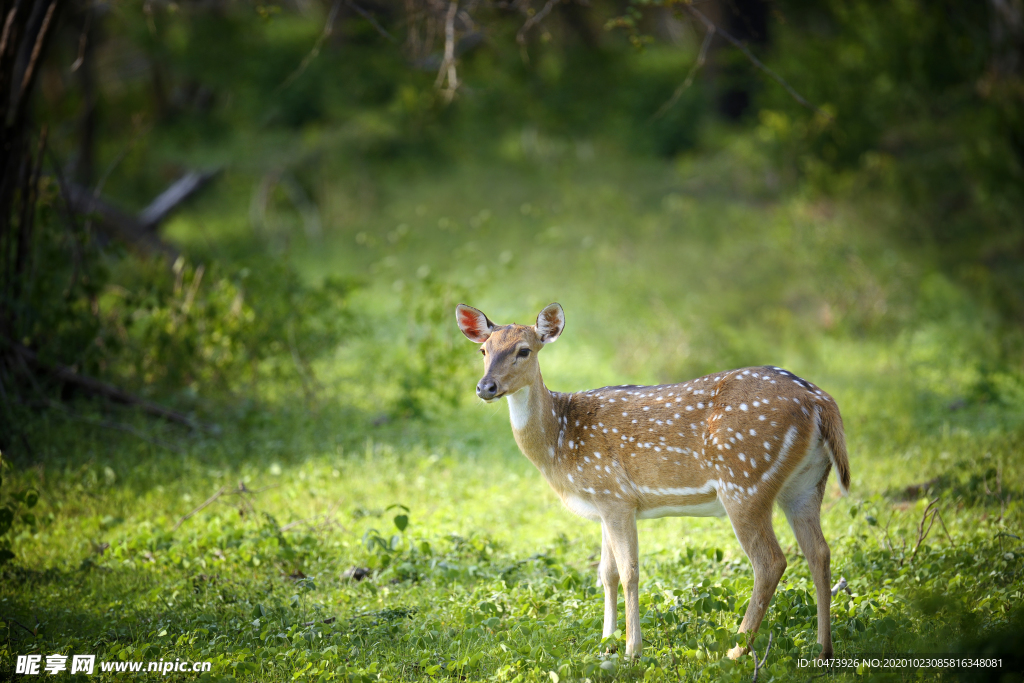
point(731, 443)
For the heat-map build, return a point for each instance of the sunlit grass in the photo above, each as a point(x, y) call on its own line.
point(665, 271)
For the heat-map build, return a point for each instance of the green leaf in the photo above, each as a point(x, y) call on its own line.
point(31, 498)
point(401, 521)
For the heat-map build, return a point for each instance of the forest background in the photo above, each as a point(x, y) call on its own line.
point(237, 418)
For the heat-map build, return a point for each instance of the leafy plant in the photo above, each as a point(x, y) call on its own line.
point(433, 374)
point(203, 330)
point(15, 514)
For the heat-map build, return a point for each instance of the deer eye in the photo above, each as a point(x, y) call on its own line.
point(523, 353)
point(483, 351)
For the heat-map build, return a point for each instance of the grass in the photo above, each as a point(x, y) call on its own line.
point(376, 524)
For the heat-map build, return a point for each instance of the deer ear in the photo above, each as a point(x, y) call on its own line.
point(550, 323)
point(473, 323)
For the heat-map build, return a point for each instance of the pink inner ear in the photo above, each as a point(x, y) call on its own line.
point(473, 325)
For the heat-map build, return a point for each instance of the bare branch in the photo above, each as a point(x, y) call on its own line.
point(757, 666)
point(709, 25)
point(98, 388)
point(83, 42)
point(447, 70)
point(209, 501)
point(7, 28)
point(373, 21)
point(37, 49)
point(315, 51)
point(15, 621)
point(701, 56)
point(241, 491)
point(533, 21)
point(928, 518)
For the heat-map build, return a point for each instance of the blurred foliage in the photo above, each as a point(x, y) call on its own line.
point(678, 245)
point(55, 312)
point(928, 100)
point(185, 84)
point(432, 374)
point(212, 74)
point(212, 332)
point(184, 331)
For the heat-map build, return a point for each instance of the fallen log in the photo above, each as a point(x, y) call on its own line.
point(168, 200)
point(116, 223)
point(97, 387)
point(139, 231)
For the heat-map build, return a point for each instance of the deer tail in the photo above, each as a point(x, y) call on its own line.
point(832, 433)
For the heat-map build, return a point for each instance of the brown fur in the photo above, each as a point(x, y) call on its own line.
point(730, 443)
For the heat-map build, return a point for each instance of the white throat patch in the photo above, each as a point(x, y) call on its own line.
point(519, 408)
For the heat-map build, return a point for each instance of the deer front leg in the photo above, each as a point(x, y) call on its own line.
point(620, 534)
point(609, 574)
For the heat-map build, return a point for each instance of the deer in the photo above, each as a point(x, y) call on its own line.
point(729, 444)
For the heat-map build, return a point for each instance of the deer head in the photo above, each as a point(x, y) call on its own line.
point(509, 351)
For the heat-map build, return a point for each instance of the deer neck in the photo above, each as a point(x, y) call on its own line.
point(535, 423)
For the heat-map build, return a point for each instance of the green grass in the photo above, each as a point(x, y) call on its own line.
point(665, 271)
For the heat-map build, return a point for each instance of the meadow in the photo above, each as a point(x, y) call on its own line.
point(357, 515)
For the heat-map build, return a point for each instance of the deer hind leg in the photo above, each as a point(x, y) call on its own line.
point(804, 515)
point(609, 575)
point(620, 534)
point(757, 537)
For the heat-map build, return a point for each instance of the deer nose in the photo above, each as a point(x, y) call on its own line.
point(486, 388)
